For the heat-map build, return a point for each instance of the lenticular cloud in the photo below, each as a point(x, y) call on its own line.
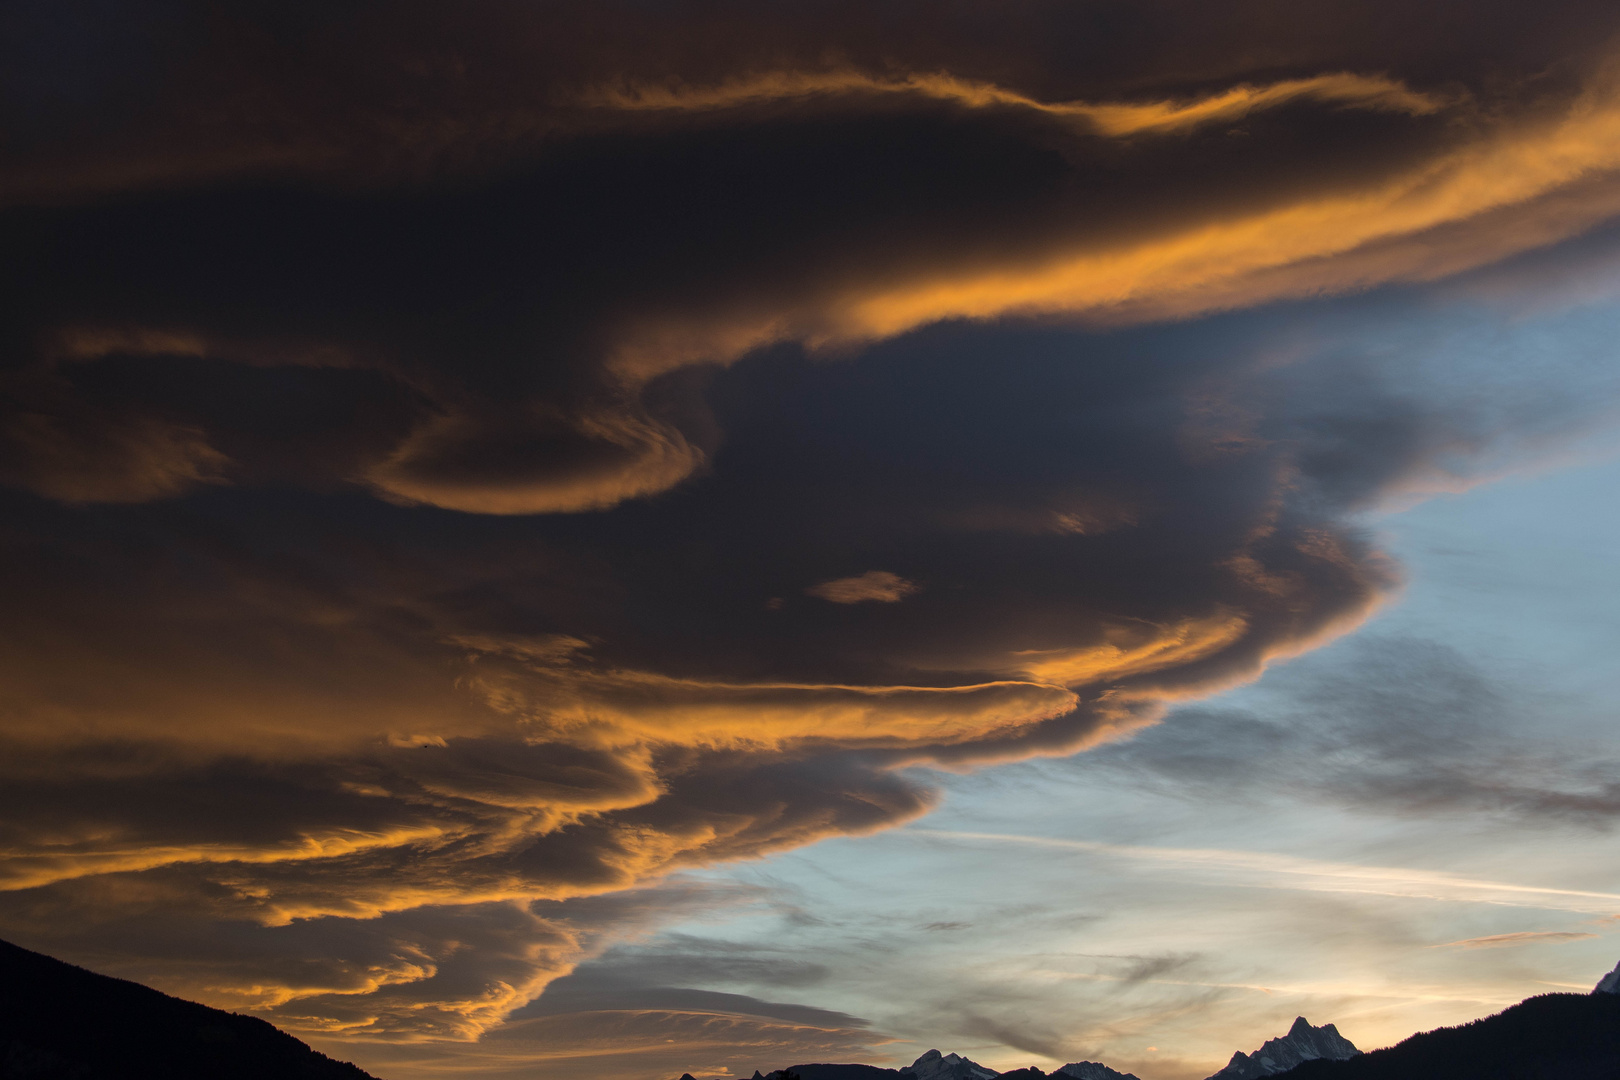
point(417, 513)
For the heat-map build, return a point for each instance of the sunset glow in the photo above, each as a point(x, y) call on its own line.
point(625, 539)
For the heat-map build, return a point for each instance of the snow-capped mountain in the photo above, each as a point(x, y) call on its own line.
point(1093, 1070)
point(1565, 1036)
point(1302, 1043)
point(936, 1066)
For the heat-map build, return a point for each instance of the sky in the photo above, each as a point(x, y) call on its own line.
point(618, 539)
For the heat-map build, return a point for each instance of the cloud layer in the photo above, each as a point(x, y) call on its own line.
point(445, 455)
point(1395, 726)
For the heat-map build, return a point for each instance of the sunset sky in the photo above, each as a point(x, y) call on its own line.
point(603, 540)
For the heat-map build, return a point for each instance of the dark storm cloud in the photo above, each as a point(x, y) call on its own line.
point(114, 95)
point(487, 340)
point(459, 460)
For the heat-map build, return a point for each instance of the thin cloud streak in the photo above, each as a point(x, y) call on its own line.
point(1117, 120)
point(1521, 937)
point(1269, 870)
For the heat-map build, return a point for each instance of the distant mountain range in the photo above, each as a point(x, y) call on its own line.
point(60, 1022)
point(1548, 1037)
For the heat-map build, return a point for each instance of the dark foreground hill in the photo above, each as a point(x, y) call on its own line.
point(1550, 1037)
point(60, 1022)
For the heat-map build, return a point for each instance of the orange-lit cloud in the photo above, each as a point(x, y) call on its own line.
point(428, 757)
point(619, 707)
point(877, 586)
point(1135, 650)
point(1112, 119)
point(1545, 175)
point(402, 488)
point(534, 463)
point(1491, 187)
point(1175, 274)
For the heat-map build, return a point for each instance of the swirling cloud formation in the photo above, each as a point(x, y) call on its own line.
point(446, 448)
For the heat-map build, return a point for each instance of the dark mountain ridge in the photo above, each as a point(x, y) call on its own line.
point(1548, 1037)
point(935, 1066)
point(61, 1022)
point(1304, 1042)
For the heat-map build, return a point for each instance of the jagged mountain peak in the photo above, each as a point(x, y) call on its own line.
point(933, 1065)
point(1610, 983)
point(1093, 1070)
point(1302, 1043)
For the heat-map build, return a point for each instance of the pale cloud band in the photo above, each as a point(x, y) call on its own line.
point(1522, 937)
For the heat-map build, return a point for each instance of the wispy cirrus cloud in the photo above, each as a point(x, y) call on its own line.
point(1393, 726)
point(1270, 870)
point(1520, 937)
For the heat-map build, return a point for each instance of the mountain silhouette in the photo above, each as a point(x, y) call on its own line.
point(1304, 1042)
point(60, 1022)
point(1548, 1037)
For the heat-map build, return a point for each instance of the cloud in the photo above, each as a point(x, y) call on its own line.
point(1144, 968)
point(1214, 865)
point(1108, 119)
point(635, 1043)
point(1522, 937)
point(117, 460)
point(488, 712)
point(77, 452)
point(1390, 725)
point(641, 1000)
point(878, 586)
point(1028, 234)
point(529, 462)
point(629, 976)
point(402, 454)
point(1231, 262)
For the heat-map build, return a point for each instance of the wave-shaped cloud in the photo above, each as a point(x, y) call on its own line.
point(434, 490)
